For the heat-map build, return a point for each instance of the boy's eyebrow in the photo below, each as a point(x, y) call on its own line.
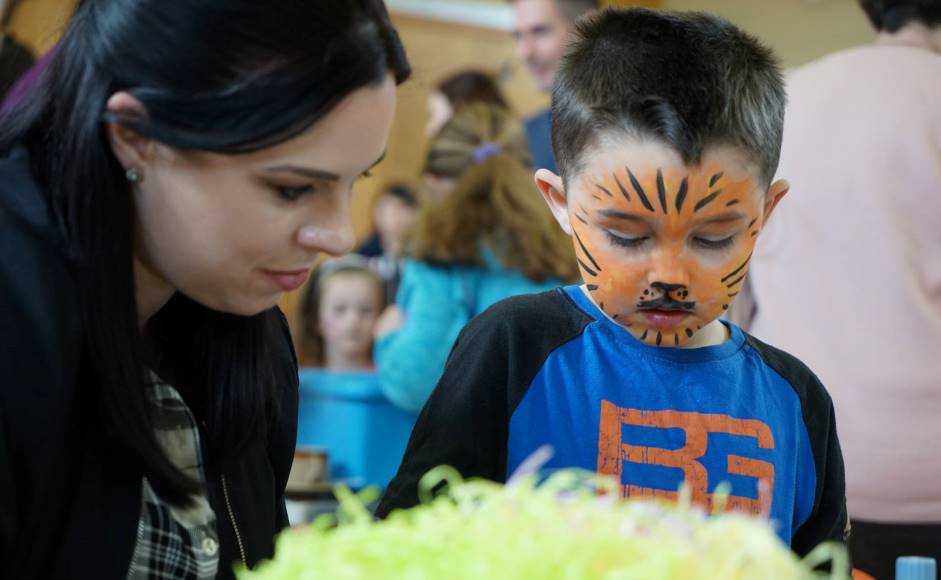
point(729, 216)
point(621, 215)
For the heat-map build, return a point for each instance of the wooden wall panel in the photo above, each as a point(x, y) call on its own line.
point(39, 23)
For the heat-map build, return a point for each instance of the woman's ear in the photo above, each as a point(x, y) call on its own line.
point(130, 147)
point(553, 191)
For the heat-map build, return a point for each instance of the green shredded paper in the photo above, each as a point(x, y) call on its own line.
point(571, 526)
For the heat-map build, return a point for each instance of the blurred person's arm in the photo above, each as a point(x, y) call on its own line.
point(409, 361)
point(465, 423)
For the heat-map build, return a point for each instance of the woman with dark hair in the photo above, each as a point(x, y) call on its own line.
point(179, 167)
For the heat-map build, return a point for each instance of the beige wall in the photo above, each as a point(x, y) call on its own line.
point(38, 23)
point(798, 30)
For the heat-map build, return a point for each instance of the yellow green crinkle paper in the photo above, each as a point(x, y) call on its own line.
point(561, 529)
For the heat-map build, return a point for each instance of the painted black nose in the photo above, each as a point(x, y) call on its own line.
point(667, 289)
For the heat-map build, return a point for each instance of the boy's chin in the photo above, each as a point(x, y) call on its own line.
point(687, 333)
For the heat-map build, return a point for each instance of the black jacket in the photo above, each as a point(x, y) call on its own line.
point(69, 499)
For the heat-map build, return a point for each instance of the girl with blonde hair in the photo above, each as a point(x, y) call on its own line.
point(485, 235)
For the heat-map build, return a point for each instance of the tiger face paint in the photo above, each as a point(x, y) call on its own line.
point(663, 247)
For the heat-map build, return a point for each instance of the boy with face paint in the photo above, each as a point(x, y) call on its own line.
point(667, 129)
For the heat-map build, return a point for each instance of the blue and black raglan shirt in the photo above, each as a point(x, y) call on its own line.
point(551, 369)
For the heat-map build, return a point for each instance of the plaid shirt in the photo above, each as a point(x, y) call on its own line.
point(175, 543)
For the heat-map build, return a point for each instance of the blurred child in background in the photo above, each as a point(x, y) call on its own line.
point(485, 235)
point(338, 314)
point(395, 211)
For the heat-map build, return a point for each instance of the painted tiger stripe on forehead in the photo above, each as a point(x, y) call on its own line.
point(660, 182)
point(707, 200)
point(661, 190)
point(639, 190)
point(681, 194)
point(623, 189)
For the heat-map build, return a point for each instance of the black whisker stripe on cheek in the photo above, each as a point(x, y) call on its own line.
point(601, 306)
point(604, 189)
point(725, 307)
point(644, 335)
point(659, 339)
point(737, 270)
point(661, 191)
point(733, 294)
point(676, 339)
point(689, 333)
point(588, 270)
point(591, 287)
point(623, 189)
point(585, 250)
point(639, 190)
point(715, 178)
point(598, 197)
point(681, 194)
point(751, 223)
point(736, 281)
point(753, 234)
point(707, 200)
point(731, 203)
point(581, 219)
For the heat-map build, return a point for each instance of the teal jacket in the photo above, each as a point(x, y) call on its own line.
point(437, 302)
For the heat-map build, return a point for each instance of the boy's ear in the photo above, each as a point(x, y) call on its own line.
point(776, 191)
point(553, 191)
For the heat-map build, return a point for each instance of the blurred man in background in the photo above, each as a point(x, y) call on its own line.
point(848, 276)
point(541, 31)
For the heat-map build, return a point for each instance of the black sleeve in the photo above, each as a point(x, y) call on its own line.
point(828, 520)
point(40, 345)
point(465, 422)
point(282, 437)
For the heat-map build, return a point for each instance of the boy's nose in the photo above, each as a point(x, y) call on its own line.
point(667, 289)
point(668, 274)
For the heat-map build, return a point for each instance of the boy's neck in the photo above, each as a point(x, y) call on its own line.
point(713, 334)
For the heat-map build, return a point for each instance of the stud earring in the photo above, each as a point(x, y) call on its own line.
point(134, 175)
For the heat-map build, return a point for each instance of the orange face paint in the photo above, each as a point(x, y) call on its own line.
point(663, 248)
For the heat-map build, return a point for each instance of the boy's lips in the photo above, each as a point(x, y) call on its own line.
point(662, 318)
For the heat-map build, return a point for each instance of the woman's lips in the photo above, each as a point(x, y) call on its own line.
point(665, 318)
point(288, 281)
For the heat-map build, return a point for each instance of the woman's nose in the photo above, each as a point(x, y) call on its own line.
point(336, 239)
